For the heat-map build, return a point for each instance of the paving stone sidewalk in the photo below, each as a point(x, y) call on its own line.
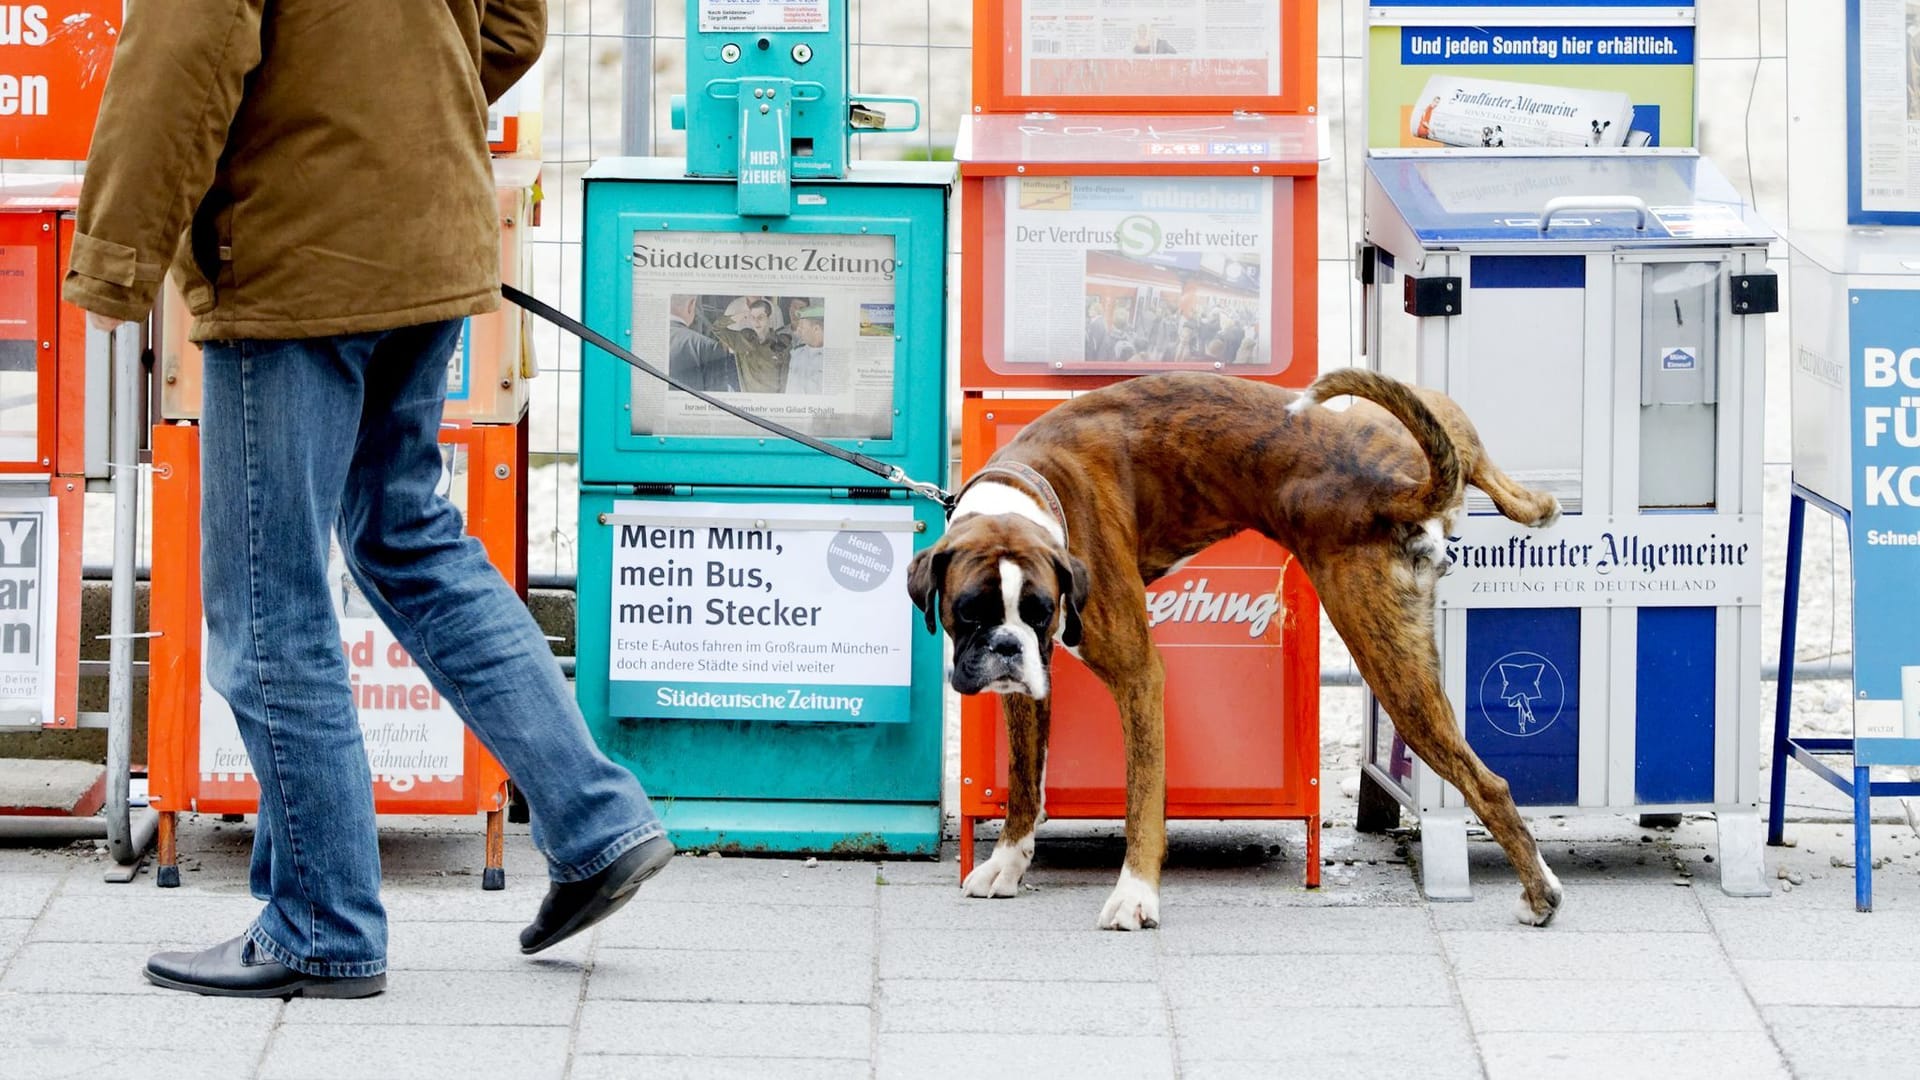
point(772, 968)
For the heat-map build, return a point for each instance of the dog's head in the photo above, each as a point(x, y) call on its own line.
point(1005, 590)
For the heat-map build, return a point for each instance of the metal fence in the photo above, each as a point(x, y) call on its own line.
point(612, 66)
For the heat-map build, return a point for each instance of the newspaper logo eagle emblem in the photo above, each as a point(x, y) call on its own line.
point(1522, 694)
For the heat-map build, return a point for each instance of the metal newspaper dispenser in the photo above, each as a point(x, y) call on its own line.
point(1856, 407)
point(1100, 247)
point(746, 641)
point(1594, 316)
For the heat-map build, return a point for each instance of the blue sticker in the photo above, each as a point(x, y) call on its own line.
point(1434, 46)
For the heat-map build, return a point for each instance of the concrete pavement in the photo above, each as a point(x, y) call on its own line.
point(771, 968)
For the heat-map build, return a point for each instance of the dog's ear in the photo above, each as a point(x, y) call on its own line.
point(1074, 586)
point(926, 576)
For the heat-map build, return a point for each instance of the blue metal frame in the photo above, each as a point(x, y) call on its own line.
point(1861, 787)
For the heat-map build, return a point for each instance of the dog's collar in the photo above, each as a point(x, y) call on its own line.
point(1029, 476)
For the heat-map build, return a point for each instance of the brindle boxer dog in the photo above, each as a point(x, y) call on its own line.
point(1058, 536)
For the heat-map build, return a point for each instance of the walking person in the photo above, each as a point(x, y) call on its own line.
point(317, 173)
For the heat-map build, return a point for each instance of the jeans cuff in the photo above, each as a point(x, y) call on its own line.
point(358, 970)
point(607, 854)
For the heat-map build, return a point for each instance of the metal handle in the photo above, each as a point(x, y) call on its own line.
point(1598, 203)
point(915, 102)
point(797, 89)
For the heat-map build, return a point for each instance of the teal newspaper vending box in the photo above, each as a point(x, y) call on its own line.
point(746, 643)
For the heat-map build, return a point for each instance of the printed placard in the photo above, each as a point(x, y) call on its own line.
point(1648, 560)
point(29, 594)
point(1883, 112)
point(750, 16)
point(720, 612)
point(1885, 379)
point(415, 742)
point(54, 58)
point(20, 353)
point(1517, 88)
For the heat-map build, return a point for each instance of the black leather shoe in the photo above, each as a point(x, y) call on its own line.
point(573, 906)
point(238, 968)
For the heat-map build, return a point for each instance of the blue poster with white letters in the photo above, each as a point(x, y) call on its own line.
point(1885, 378)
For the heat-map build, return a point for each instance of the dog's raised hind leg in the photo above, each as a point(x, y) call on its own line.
point(1392, 645)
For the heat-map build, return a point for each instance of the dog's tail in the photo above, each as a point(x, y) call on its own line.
point(1444, 477)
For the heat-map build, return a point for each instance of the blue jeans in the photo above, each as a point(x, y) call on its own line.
point(304, 437)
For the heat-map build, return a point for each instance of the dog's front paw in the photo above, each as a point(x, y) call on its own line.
point(1538, 904)
point(1000, 875)
point(1133, 904)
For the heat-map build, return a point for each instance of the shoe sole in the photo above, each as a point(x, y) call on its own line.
point(315, 988)
point(613, 896)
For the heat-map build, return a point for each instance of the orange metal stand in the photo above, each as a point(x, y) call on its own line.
point(180, 780)
point(1239, 631)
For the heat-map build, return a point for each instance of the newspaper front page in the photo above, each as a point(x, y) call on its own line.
point(1889, 143)
point(1173, 47)
point(1112, 271)
point(29, 595)
point(797, 328)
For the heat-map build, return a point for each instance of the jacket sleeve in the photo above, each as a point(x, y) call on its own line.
point(178, 74)
point(512, 34)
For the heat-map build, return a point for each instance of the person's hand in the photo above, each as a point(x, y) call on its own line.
point(105, 323)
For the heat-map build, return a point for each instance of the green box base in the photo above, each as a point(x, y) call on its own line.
point(741, 827)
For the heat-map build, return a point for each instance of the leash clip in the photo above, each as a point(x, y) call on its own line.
point(923, 488)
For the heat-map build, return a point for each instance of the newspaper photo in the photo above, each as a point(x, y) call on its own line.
point(1170, 47)
point(796, 328)
point(1112, 271)
point(1889, 138)
point(1456, 111)
point(29, 588)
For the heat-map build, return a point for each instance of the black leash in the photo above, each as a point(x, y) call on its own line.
point(893, 474)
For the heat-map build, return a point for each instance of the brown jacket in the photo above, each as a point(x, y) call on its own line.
point(308, 167)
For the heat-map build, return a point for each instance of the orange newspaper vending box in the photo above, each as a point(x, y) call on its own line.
point(1238, 629)
point(1158, 56)
point(424, 760)
point(1096, 248)
point(1138, 191)
point(42, 458)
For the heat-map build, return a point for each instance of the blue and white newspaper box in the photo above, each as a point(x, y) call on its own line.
point(1596, 317)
